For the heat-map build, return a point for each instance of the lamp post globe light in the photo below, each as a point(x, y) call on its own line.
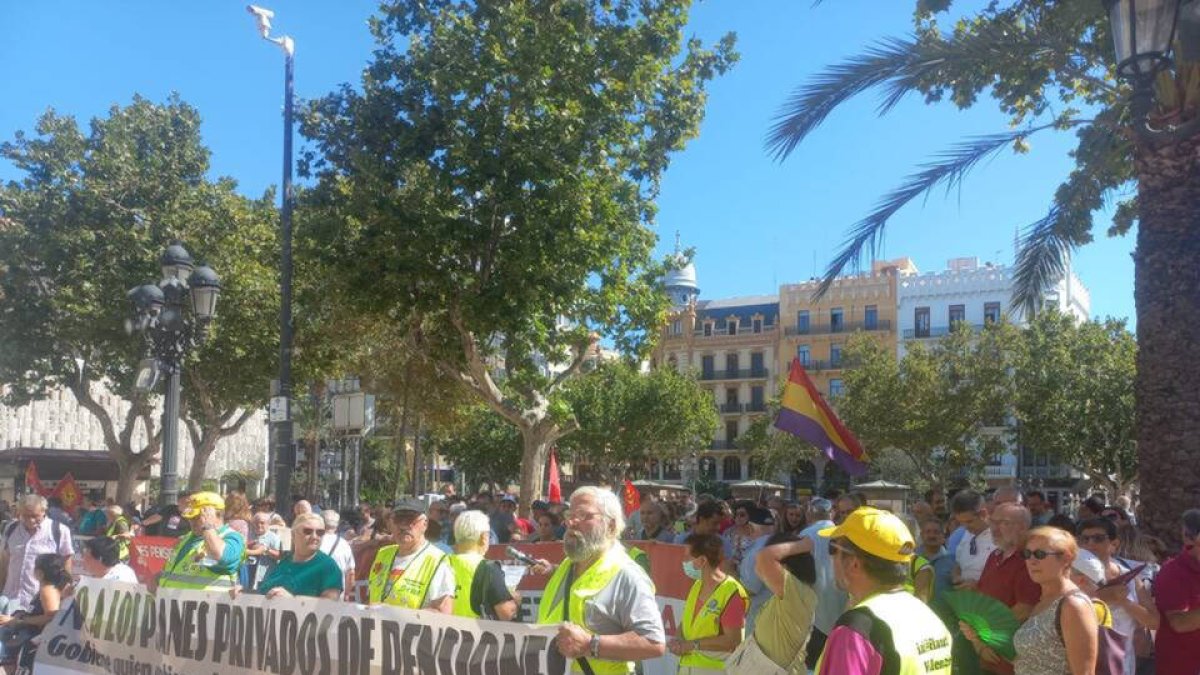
point(281, 418)
point(173, 317)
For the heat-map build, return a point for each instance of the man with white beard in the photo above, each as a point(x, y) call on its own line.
point(602, 600)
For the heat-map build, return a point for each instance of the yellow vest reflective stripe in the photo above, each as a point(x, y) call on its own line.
point(707, 622)
point(583, 589)
point(464, 566)
point(122, 544)
point(410, 590)
point(919, 638)
point(184, 569)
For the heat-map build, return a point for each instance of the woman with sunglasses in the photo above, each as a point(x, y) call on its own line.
point(1060, 637)
point(306, 571)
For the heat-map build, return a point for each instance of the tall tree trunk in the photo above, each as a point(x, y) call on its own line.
point(1167, 295)
point(203, 452)
point(535, 441)
point(418, 474)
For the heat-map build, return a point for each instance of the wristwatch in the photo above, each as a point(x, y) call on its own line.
point(695, 645)
point(595, 647)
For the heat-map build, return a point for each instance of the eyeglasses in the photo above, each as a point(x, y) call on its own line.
point(1039, 554)
point(580, 517)
point(836, 548)
point(310, 531)
point(1093, 538)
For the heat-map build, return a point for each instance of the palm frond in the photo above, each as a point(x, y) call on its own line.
point(948, 169)
point(900, 66)
point(1042, 259)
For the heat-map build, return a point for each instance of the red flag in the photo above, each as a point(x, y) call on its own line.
point(32, 481)
point(633, 500)
point(68, 491)
point(555, 495)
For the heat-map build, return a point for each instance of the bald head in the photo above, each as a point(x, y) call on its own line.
point(1009, 524)
point(1006, 495)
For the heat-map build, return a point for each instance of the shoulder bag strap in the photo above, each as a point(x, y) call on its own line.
point(582, 661)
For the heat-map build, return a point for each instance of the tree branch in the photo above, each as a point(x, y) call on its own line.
point(81, 389)
point(581, 354)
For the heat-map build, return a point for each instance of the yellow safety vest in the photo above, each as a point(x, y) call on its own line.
point(707, 622)
point(583, 589)
point(919, 638)
point(640, 557)
point(184, 568)
point(464, 566)
point(918, 563)
point(122, 544)
point(410, 589)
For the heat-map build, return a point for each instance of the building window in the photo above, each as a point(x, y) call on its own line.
point(731, 432)
point(835, 356)
point(757, 324)
point(835, 388)
point(921, 322)
point(756, 365)
point(676, 327)
point(991, 312)
point(804, 354)
point(731, 468)
point(706, 367)
point(757, 403)
point(731, 364)
point(802, 325)
point(871, 317)
point(732, 326)
point(731, 396)
point(837, 322)
point(958, 314)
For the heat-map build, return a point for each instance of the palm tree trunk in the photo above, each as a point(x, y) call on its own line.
point(1167, 295)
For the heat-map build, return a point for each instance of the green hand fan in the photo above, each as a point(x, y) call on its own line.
point(991, 619)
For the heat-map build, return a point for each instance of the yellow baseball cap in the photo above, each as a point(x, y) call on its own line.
point(877, 532)
point(201, 500)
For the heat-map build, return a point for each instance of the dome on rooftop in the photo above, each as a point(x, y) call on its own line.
point(684, 277)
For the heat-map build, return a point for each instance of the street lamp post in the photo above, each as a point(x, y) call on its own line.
point(171, 331)
point(281, 413)
point(1143, 32)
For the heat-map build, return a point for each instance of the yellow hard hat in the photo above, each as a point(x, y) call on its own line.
point(201, 500)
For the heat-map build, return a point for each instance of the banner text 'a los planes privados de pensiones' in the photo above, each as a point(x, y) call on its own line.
point(123, 629)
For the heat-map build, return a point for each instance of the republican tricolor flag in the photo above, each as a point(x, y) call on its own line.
point(806, 415)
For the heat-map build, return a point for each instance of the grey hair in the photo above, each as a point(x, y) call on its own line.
point(332, 518)
point(607, 500)
point(34, 502)
point(305, 518)
point(819, 506)
point(470, 526)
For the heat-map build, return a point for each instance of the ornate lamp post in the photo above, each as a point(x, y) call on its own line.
point(1143, 32)
point(171, 331)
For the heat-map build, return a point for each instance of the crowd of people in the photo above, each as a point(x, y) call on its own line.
point(828, 585)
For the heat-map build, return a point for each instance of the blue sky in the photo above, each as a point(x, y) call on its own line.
point(754, 222)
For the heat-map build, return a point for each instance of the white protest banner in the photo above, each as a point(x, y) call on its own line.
point(122, 629)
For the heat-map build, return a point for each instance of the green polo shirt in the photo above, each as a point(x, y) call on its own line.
point(309, 578)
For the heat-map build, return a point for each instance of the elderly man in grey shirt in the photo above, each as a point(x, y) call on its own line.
point(601, 599)
point(33, 535)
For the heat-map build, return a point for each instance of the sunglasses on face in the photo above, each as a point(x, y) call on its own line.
point(1093, 538)
point(1039, 554)
point(310, 531)
point(836, 548)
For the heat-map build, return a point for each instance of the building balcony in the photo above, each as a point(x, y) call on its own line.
point(1052, 471)
point(934, 332)
point(756, 407)
point(814, 365)
point(743, 374)
point(1000, 472)
point(732, 408)
point(747, 332)
point(724, 445)
point(844, 327)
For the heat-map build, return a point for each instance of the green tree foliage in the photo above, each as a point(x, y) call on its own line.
point(484, 446)
point(1075, 396)
point(491, 185)
point(627, 418)
point(87, 222)
point(773, 451)
point(942, 406)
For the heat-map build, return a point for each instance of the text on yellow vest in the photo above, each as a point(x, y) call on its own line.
point(409, 588)
point(464, 566)
point(919, 637)
point(707, 622)
point(184, 569)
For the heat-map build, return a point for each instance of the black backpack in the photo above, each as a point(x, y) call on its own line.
point(55, 530)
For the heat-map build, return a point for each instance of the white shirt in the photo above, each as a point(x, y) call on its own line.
point(121, 572)
point(339, 550)
point(442, 585)
point(971, 564)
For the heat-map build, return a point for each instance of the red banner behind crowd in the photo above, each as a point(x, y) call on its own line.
point(148, 555)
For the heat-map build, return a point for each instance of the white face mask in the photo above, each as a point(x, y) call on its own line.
point(690, 569)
